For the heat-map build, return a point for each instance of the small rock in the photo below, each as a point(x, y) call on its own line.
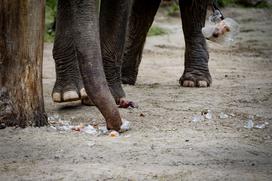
point(2, 126)
point(56, 157)
point(142, 115)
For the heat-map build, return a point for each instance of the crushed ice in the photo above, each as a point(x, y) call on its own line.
point(250, 124)
point(198, 118)
point(223, 115)
point(125, 125)
point(58, 124)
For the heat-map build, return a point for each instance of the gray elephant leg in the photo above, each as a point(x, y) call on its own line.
point(68, 85)
point(113, 23)
point(196, 73)
point(140, 19)
point(85, 33)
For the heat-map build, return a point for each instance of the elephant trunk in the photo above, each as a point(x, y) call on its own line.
point(87, 45)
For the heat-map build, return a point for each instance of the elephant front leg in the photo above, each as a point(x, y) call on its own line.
point(113, 23)
point(68, 85)
point(140, 20)
point(85, 33)
point(196, 72)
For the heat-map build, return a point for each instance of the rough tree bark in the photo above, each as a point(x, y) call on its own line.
point(21, 53)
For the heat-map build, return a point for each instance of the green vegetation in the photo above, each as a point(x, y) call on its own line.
point(50, 14)
point(264, 4)
point(224, 3)
point(173, 9)
point(155, 31)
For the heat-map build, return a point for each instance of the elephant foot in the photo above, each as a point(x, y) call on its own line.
point(68, 91)
point(195, 78)
point(119, 96)
point(117, 91)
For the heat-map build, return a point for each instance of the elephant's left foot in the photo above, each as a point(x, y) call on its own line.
point(195, 78)
point(68, 92)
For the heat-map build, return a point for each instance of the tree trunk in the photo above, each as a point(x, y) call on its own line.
point(21, 53)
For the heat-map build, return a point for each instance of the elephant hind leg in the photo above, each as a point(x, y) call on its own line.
point(140, 20)
point(192, 80)
point(196, 72)
point(113, 14)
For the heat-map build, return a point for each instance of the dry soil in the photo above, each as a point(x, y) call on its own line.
point(164, 143)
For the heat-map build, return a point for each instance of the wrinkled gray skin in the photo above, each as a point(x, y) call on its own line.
point(80, 49)
point(78, 56)
point(113, 23)
point(193, 13)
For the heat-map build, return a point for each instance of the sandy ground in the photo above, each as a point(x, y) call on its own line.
point(164, 143)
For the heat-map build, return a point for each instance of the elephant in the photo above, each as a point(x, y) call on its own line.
point(81, 40)
point(193, 15)
point(94, 56)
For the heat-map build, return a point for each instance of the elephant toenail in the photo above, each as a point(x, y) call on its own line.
point(202, 84)
point(83, 93)
point(56, 97)
point(70, 96)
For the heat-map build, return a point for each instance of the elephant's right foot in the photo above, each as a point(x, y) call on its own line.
point(195, 78)
point(68, 91)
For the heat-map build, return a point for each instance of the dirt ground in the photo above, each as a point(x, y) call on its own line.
point(164, 143)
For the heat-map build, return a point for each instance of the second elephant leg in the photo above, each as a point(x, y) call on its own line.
point(196, 72)
point(68, 85)
point(113, 23)
point(140, 20)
